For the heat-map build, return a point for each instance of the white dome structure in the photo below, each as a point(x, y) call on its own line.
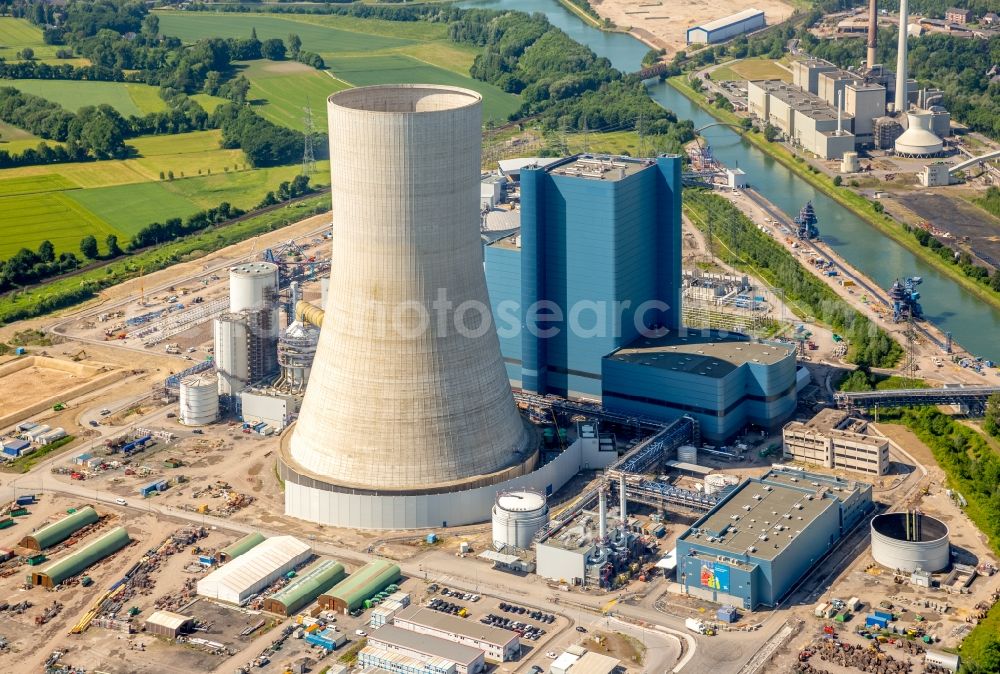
point(918, 140)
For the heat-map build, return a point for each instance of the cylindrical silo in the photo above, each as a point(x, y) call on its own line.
point(231, 353)
point(687, 454)
point(408, 391)
point(517, 517)
point(199, 400)
point(909, 541)
point(252, 285)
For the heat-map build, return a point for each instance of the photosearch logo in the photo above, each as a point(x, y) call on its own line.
point(442, 317)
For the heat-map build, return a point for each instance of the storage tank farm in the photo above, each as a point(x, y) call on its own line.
point(406, 412)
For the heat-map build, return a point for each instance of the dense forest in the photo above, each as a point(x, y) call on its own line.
point(870, 346)
point(959, 66)
point(561, 82)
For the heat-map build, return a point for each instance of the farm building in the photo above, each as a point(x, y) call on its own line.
point(167, 624)
point(57, 532)
point(241, 546)
point(251, 572)
point(362, 584)
point(727, 27)
point(67, 567)
point(313, 582)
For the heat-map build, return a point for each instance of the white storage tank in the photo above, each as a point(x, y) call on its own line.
point(720, 483)
point(517, 516)
point(252, 285)
point(231, 353)
point(850, 163)
point(199, 400)
point(687, 454)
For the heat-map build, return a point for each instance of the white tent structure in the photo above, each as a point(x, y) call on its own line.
point(251, 572)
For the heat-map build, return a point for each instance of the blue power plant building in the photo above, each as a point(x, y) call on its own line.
point(754, 546)
point(586, 298)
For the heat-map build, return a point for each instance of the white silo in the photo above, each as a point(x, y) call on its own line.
point(397, 404)
point(687, 454)
point(517, 517)
point(199, 400)
point(231, 353)
point(252, 285)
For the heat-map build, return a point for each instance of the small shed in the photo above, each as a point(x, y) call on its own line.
point(168, 624)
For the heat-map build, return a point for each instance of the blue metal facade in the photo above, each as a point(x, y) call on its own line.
point(752, 393)
point(594, 253)
point(753, 580)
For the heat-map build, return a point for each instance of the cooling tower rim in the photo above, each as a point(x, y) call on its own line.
point(328, 483)
point(351, 99)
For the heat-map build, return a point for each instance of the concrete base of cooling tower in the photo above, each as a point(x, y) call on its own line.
point(318, 499)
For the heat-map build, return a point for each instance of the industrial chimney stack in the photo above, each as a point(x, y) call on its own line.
point(872, 33)
point(901, 90)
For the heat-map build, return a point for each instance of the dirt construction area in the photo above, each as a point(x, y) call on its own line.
point(965, 223)
point(665, 24)
point(934, 618)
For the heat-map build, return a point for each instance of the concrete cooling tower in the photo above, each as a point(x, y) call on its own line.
point(400, 401)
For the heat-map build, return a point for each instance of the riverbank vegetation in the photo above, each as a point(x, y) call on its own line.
point(865, 380)
point(990, 202)
point(745, 246)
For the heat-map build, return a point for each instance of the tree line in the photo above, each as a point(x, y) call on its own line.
point(28, 266)
point(870, 345)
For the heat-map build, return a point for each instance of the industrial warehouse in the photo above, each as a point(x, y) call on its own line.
point(245, 576)
point(755, 544)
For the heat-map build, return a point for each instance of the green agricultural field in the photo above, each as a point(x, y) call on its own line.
point(193, 26)
point(208, 102)
point(16, 34)
point(53, 182)
point(15, 141)
point(28, 219)
point(392, 68)
point(129, 208)
point(126, 98)
point(244, 189)
point(280, 91)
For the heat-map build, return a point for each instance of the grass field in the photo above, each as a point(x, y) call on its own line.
point(126, 98)
point(392, 68)
point(357, 52)
point(15, 141)
point(129, 208)
point(27, 219)
point(752, 69)
point(190, 27)
point(53, 182)
point(209, 102)
point(281, 90)
point(15, 34)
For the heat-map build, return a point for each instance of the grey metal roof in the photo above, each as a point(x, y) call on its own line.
point(424, 643)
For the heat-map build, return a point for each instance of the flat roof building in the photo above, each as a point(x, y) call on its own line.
point(804, 118)
point(725, 381)
point(836, 440)
point(251, 572)
point(382, 660)
point(727, 27)
point(498, 644)
point(755, 545)
point(467, 659)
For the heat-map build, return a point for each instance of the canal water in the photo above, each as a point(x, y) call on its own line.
point(974, 325)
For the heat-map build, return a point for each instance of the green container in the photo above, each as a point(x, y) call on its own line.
point(71, 511)
point(20, 512)
point(86, 581)
point(6, 522)
point(36, 560)
point(368, 603)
